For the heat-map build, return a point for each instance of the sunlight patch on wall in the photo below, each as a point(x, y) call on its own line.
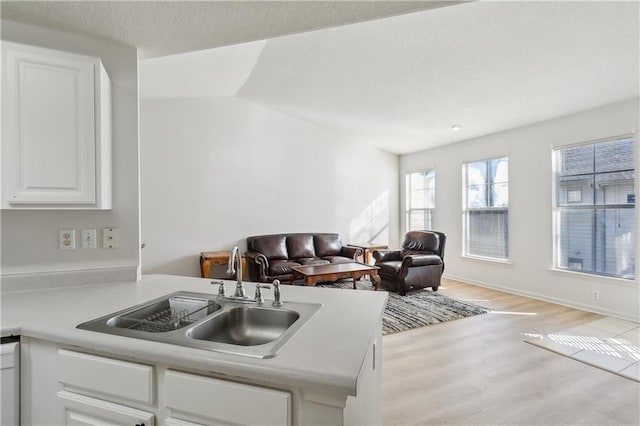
point(371, 225)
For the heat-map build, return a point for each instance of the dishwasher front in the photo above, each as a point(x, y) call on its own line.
point(10, 380)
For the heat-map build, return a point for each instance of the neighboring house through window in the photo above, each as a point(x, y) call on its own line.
point(420, 199)
point(594, 208)
point(486, 208)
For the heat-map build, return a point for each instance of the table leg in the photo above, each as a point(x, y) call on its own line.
point(203, 272)
point(376, 280)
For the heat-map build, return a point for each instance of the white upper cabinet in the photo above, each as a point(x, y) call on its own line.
point(56, 130)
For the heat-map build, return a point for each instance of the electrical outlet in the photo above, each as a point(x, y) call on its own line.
point(67, 239)
point(88, 238)
point(595, 294)
point(111, 238)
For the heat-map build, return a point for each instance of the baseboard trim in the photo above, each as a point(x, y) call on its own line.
point(545, 298)
point(70, 278)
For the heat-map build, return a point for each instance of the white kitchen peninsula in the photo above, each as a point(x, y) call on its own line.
point(328, 373)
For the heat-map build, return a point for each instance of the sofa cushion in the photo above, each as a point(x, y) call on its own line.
point(281, 267)
point(312, 261)
point(273, 247)
point(327, 244)
point(300, 246)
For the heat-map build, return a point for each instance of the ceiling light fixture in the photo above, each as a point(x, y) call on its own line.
point(455, 128)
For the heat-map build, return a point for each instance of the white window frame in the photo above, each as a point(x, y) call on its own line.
point(466, 211)
point(557, 209)
point(426, 211)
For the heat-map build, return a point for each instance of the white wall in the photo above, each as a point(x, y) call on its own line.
point(530, 202)
point(217, 170)
point(30, 238)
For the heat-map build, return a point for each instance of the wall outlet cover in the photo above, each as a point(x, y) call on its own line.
point(110, 238)
point(88, 239)
point(67, 239)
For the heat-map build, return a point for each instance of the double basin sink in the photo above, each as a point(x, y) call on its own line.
point(203, 321)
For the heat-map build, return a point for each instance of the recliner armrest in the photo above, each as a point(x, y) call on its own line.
point(386, 255)
point(421, 260)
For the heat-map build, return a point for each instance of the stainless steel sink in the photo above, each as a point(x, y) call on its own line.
point(170, 313)
point(245, 326)
point(203, 321)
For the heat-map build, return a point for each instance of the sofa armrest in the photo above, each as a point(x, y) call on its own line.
point(421, 260)
point(352, 252)
point(386, 255)
point(258, 265)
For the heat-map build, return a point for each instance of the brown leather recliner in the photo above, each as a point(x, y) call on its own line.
point(419, 264)
point(272, 256)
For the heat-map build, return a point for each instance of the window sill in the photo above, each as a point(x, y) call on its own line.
point(487, 260)
point(596, 277)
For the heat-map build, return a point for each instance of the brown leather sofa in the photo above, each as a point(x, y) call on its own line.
point(419, 264)
point(271, 257)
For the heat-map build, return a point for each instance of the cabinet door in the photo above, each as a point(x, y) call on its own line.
point(51, 139)
point(80, 410)
point(224, 402)
point(109, 378)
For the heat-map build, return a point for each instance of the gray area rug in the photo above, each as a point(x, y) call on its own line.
point(418, 308)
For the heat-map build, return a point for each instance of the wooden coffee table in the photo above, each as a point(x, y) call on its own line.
point(335, 271)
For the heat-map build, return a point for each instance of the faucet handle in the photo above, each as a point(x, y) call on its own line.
point(221, 288)
point(258, 295)
point(276, 293)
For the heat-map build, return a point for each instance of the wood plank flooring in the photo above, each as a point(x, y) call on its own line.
point(479, 371)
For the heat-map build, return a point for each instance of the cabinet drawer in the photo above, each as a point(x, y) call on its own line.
point(86, 411)
point(226, 402)
point(124, 380)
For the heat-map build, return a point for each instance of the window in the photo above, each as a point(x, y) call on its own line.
point(486, 208)
point(595, 231)
point(421, 199)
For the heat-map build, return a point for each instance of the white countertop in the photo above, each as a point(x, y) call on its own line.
point(326, 353)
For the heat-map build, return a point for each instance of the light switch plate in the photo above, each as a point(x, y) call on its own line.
point(111, 238)
point(88, 239)
point(67, 239)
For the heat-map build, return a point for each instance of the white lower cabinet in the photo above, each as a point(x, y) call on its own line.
point(100, 391)
point(220, 402)
point(111, 378)
point(81, 410)
point(69, 387)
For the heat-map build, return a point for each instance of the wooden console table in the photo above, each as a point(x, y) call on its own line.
point(208, 258)
point(368, 250)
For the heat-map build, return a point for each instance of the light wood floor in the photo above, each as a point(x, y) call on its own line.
point(478, 370)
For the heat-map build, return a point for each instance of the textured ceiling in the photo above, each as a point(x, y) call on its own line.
point(398, 83)
point(401, 83)
point(161, 28)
